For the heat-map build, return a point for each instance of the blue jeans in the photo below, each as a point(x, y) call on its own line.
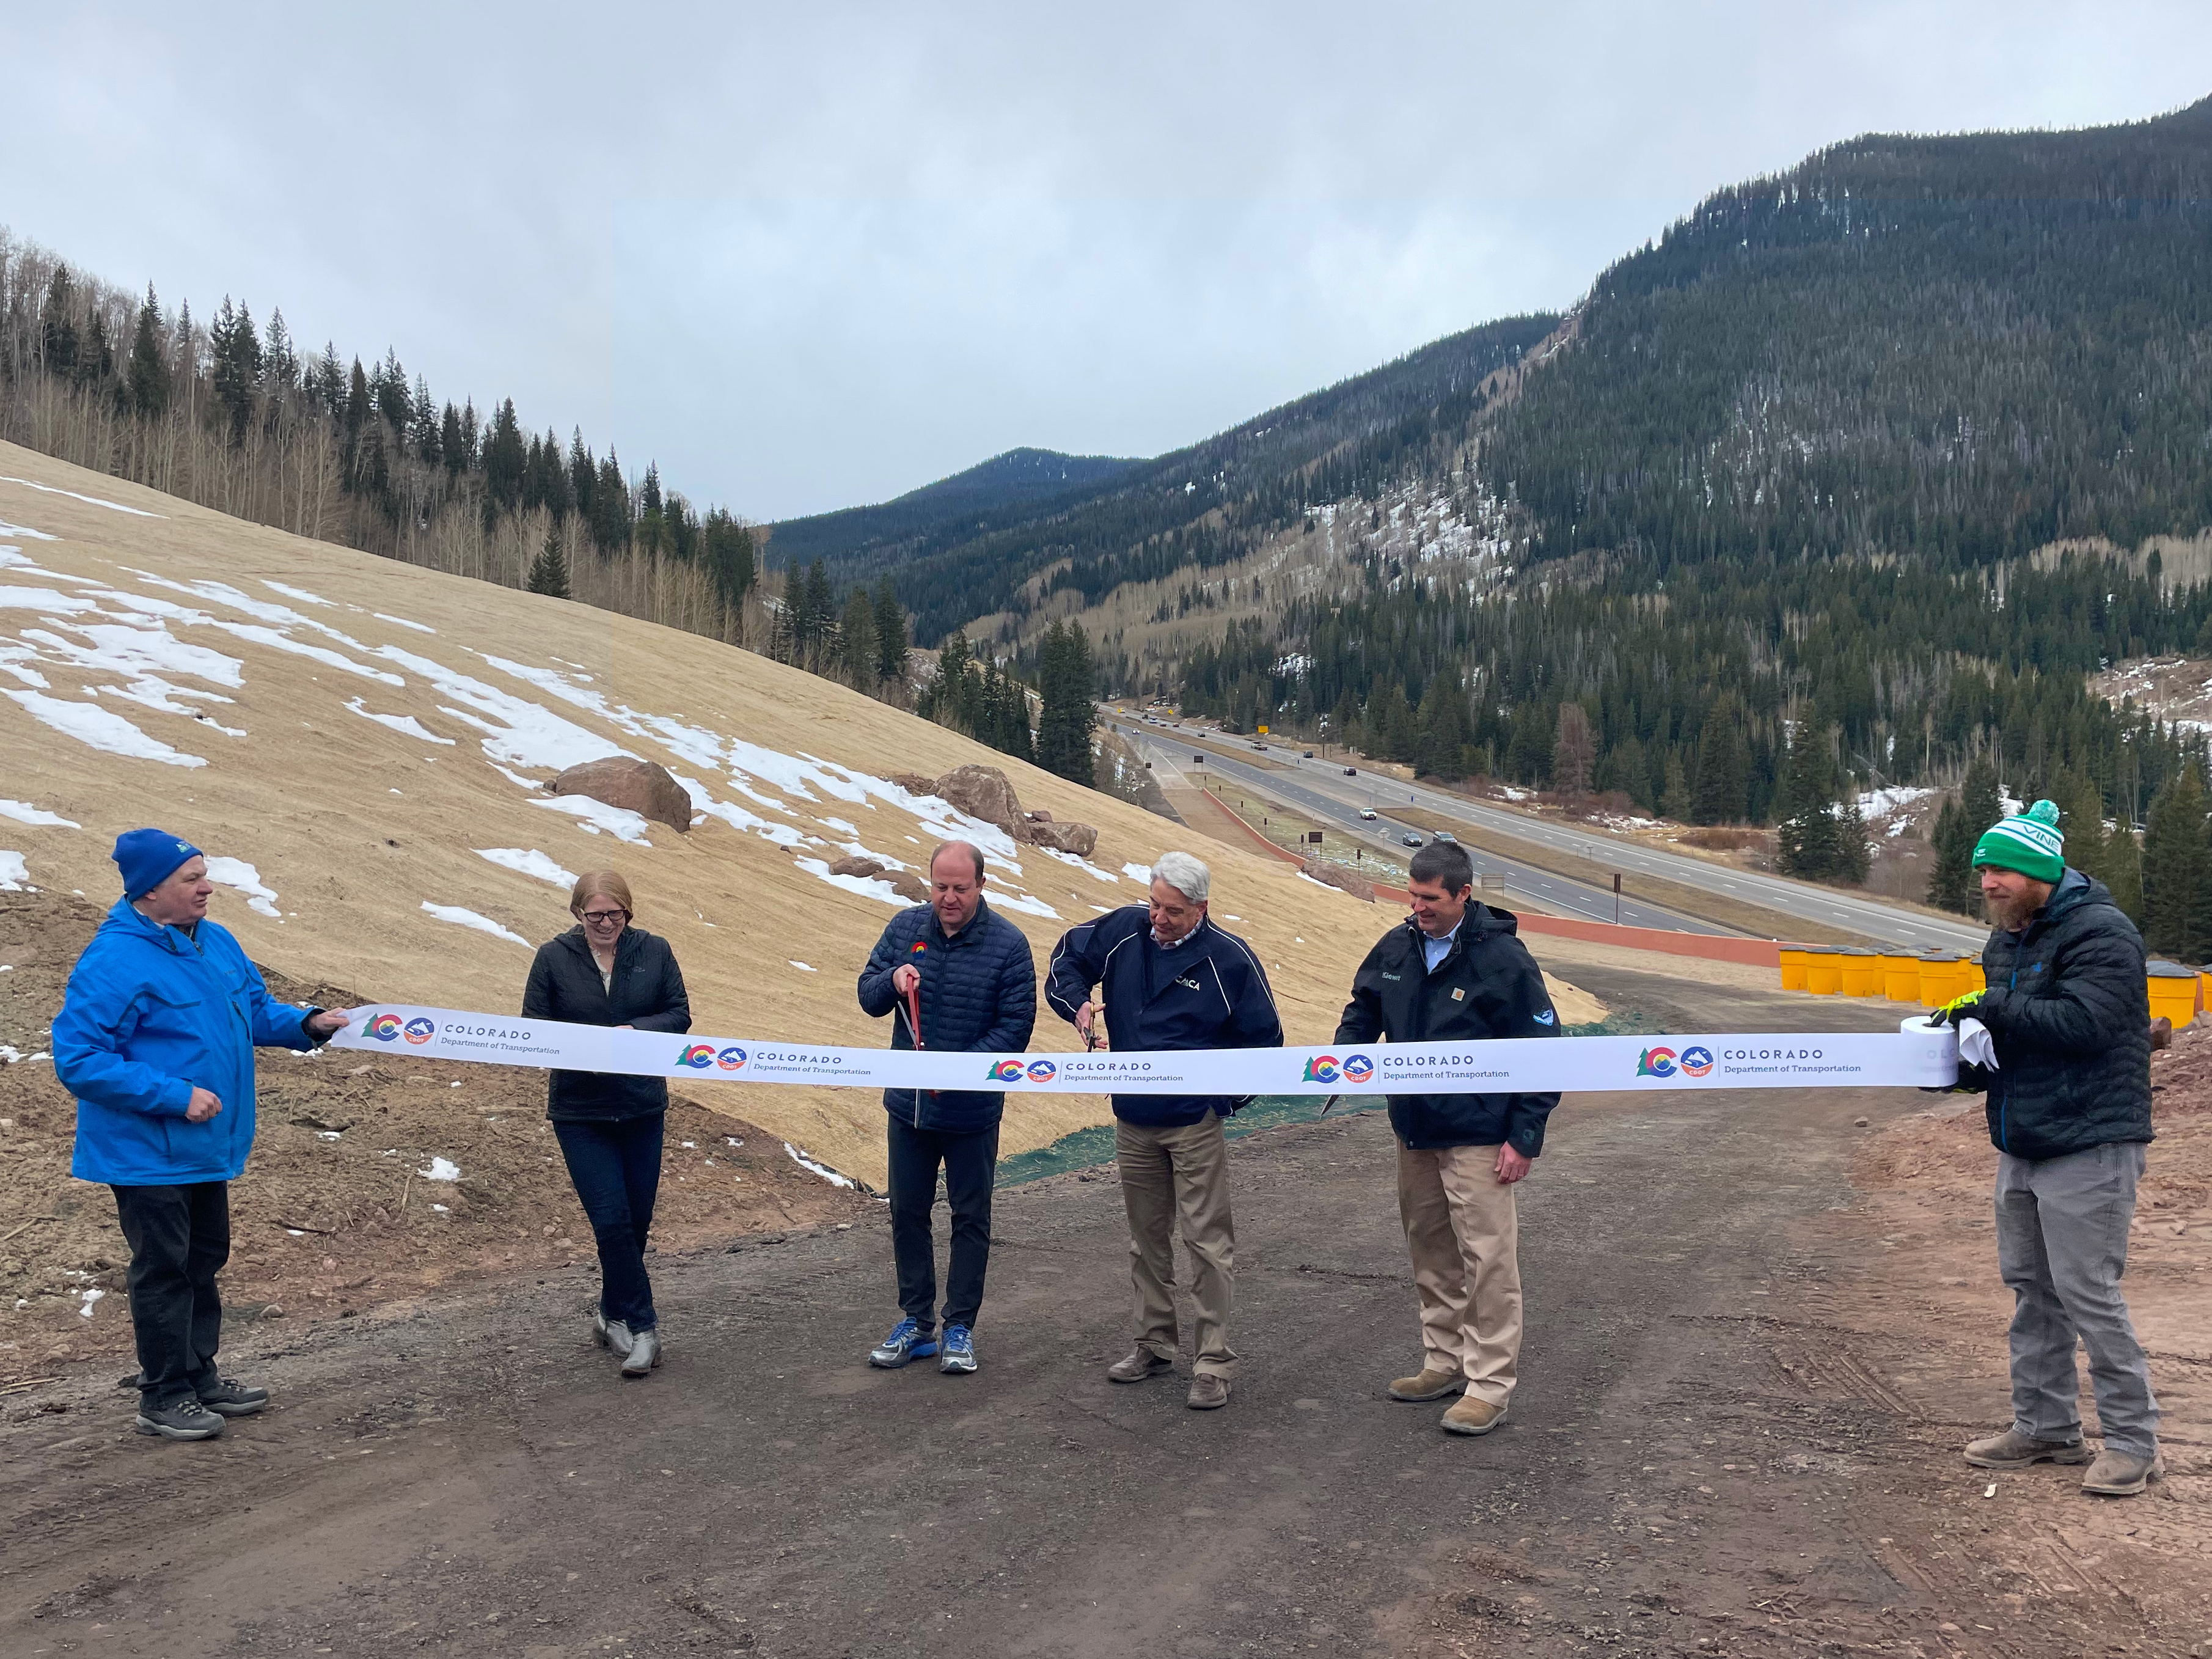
point(616, 1167)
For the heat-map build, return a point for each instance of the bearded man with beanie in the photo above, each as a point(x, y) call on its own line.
point(155, 1039)
point(2068, 1012)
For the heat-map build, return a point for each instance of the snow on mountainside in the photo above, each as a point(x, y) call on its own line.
point(360, 744)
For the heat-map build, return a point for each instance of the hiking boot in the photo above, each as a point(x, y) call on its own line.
point(959, 1351)
point(180, 1419)
point(1425, 1384)
point(1209, 1392)
point(610, 1332)
point(1139, 1365)
point(1473, 1416)
point(2123, 1474)
point(644, 1353)
point(232, 1398)
point(907, 1343)
point(2014, 1450)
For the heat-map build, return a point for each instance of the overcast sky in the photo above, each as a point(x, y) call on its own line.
point(810, 257)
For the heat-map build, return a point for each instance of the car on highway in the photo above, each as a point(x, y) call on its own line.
point(1446, 838)
point(1409, 839)
point(1367, 813)
point(1351, 771)
point(1308, 754)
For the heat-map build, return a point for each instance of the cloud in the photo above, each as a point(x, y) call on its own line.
point(810, 256)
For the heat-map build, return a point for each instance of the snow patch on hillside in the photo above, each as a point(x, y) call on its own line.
point(97, 728)
point(15, 876)
point(528, 861)
point(461, 917)
point(596, 815)
point(23, 812)
point(239, 874)
point(406, 723)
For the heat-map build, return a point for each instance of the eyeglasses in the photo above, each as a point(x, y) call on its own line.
point(605, 918)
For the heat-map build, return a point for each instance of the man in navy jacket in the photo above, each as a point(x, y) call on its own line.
point(1456, 971)
point(1172, 980)
point(970, 971)
point(155, 1039)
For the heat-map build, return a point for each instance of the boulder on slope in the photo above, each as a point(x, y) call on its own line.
point(1335, 875)
point(1079, 839)
point(636, 785)
point(982, 791)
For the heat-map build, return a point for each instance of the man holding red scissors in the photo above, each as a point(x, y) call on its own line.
point(953, 974)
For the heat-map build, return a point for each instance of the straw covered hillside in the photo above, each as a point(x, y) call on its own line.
point(362, 745)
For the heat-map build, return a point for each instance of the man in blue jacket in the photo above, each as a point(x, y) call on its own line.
point(969, 971)
point(1457, 971)
point(155, 1039)
point(1171, 979)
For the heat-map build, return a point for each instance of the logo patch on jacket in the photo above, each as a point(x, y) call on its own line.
point(1545, 1018)
point(1459, 994)
point(917, 947)
point(1188, 984)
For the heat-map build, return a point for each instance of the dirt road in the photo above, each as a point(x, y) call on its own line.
point(1735, 1433)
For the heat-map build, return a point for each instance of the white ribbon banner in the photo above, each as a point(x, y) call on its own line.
point(1918, 1055)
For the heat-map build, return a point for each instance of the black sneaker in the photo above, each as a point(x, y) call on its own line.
point(232, 1398)
point(180, 1419)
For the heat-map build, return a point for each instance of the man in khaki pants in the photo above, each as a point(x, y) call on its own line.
point(1457, 971)
point(1171, 979)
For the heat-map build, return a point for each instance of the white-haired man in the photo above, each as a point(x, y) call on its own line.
point(1169, 978)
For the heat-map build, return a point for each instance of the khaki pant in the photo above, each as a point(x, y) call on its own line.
point(1166, 1173)
point(1461, 1231)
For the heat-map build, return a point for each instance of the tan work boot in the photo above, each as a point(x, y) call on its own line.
point(1425, 1384)
point(1473, 1416)
point(1140, 1365)
point(1209, 1392)
point(2014, 1450)
point(2123, 1474)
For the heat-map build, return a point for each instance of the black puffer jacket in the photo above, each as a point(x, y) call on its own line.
point(2068, 1008)
point(978, 996)
point(1488, 984)
point(648, 994)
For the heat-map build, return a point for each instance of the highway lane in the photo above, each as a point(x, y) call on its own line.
point(1558, 892)
point(1871, 917)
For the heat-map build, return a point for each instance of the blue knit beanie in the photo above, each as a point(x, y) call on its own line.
point(148, 858)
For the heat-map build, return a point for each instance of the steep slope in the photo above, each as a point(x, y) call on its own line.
point(364, 741)
point(1197, 508)
point(1018, 478)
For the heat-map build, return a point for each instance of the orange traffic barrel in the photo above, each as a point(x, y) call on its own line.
point(1900, 976)
point(1935, 978)
point(1793, 967)
point(2175, 992)
point(1824, 973)
point(1862, 973)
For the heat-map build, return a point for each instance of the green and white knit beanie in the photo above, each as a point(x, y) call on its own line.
point(2029, 844)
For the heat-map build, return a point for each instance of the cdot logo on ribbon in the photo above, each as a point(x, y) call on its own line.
point(1656, 1062)
point(1322, 1068)
point(1007, 1071)
point(1043, 1071)
point(418, 1030)
point(385, 1028)
point(1697, 1060)
point(699, 1057)
point(731, 1058)
point(1358, 1068)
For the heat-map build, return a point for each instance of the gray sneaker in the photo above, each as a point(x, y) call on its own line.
point(180, 1419)
point(959, 1351)
point(610, 1334)
point(2014, 1450)
point(907, 1343)
point(232, 1398)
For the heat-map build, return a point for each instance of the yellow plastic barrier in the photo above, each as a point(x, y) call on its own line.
point(1935, 977)
point(1900, 976)
point(1824, 972)
point(1793, 967)
point(1862, 974)
point(1975, 980)
point(2175, 992)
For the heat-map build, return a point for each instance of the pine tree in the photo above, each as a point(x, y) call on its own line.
point(946, 702)
point(58, 325)
point(890, 633)
point(821, 608)
point(1718, 794)
point(1951, 882)
point(856, 640)
point(2174, 867)
point(1674, 798)
point(149, 363)
point(1574, 753)
point(549, 572)
point(1067, 683)
point(504, 460)
point(1817, 838)
point(1979, 798)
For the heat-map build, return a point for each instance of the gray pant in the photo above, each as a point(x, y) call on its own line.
point(2061, 1246)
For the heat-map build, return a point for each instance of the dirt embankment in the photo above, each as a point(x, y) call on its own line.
point(334, 1214)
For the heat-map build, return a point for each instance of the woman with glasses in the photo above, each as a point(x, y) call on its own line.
point(606, 972)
